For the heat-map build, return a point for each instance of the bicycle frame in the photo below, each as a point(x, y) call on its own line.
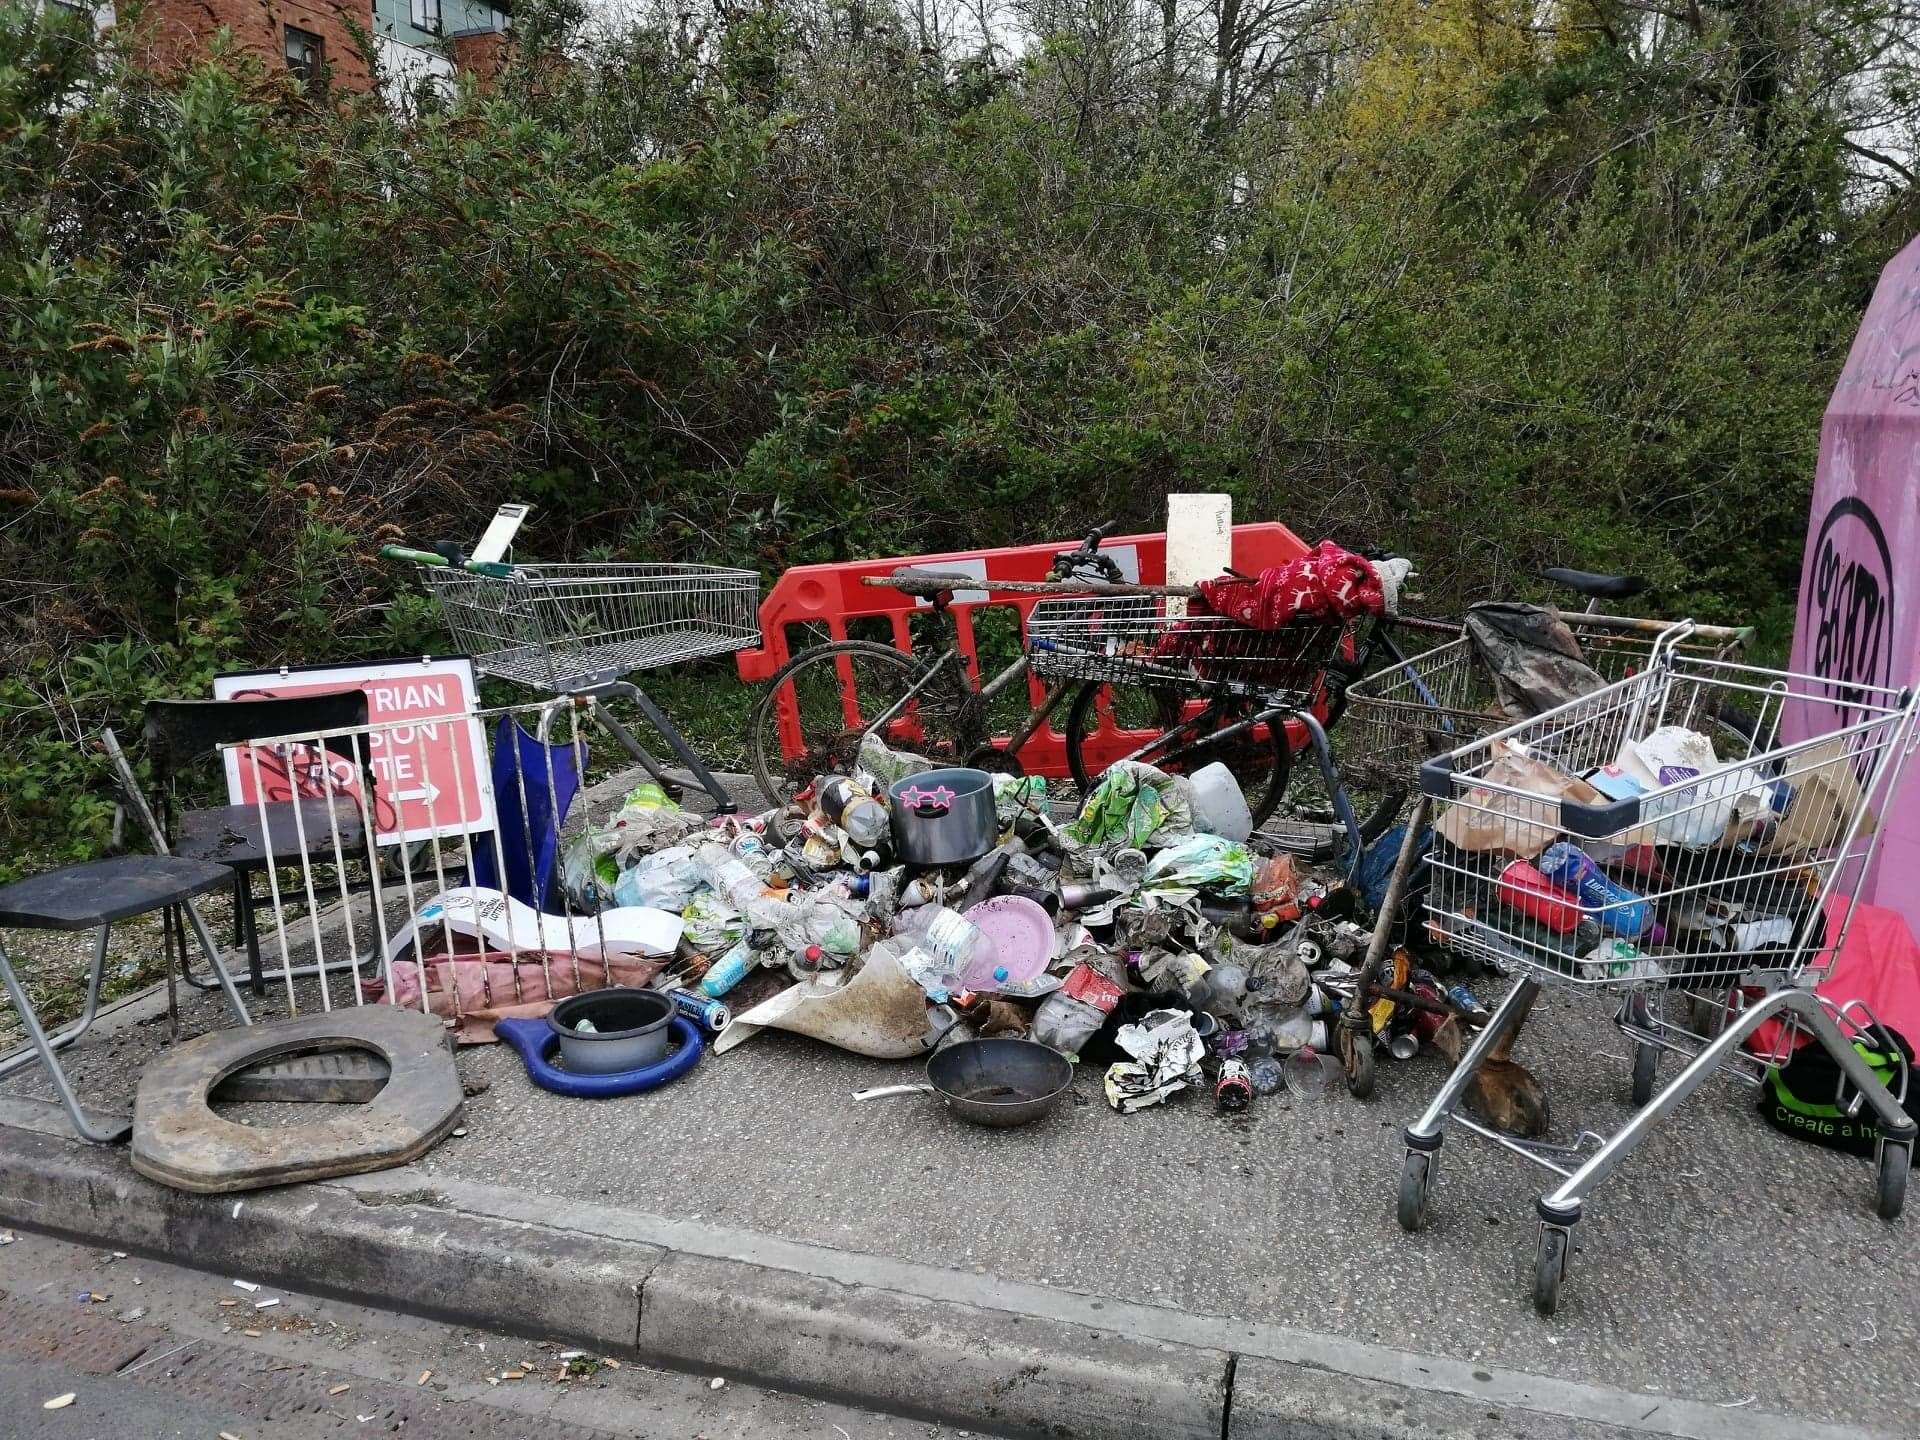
point(1192, 725)
point(1015, 673)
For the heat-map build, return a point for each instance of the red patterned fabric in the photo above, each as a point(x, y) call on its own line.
point(1327, 583)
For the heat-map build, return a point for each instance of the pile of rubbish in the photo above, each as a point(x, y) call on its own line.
point(901, 907)
point(1713, 865)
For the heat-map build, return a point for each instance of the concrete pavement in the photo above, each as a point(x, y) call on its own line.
point(1726, 1275)
point(1135, 1274)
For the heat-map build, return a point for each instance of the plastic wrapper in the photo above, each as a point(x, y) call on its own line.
point(885, 764)
point(1200, 862)
point(1133, 806)
point(712, 924)
point(1695, 815)
point(666, 879)
point(1074, 1013)
point(1517, 825)
point(592, 863)
point(591, 874)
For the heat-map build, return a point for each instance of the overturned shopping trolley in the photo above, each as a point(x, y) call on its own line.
point(581, 629)
point(1705, 899)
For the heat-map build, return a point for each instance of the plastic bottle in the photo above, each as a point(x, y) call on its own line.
point(1527, 889)
point(730, 875)
point(728, 971)
point(809, 920)
point(845, 804)
point(808, 964)
point(1616, 908)
point(955, 941)
point(1267, 1075)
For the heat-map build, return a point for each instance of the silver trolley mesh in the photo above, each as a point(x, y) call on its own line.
point(1709, 874)
point(1405, 713)
point(1149, 640)
point(1601, 850)
point(562, 629)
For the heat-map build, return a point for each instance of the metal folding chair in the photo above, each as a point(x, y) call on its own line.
point(97, 895)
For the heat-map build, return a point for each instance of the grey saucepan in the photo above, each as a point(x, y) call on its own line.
point(999, 1082)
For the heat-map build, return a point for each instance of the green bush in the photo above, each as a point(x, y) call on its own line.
point(793, 293)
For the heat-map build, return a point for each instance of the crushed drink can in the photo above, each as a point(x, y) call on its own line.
point(1233, 1091)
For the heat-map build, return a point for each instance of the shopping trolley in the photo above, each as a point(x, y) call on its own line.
point(1404, 713)
point(1418, 706)
point(1706, 899)
point(580, 630)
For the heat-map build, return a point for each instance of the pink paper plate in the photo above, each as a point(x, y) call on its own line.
point(1022, 935)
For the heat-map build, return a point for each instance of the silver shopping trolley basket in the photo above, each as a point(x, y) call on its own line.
point(1686, 841)
point(579, 630)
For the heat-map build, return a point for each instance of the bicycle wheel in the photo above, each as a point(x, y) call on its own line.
point(834, 694)
point(1177, 735)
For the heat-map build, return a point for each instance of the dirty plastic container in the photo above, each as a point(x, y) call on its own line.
point(1219, 804)
point(625, 1029)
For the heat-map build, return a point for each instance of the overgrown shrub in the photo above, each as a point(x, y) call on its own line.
point(792, 288)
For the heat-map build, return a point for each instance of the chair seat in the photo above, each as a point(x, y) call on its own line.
point(100, 892)
point(231, 834)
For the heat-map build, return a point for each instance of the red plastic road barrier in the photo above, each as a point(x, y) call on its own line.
point(832, 595)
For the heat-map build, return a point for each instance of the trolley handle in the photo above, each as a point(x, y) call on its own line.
point(491, 568)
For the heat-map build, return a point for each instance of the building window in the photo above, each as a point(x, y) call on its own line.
point(426, 16)
point(307, 57)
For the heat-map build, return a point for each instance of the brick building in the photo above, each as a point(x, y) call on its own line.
point(431, 41)
point(418, 43)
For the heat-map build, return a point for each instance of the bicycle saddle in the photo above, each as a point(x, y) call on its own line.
point(1595, 586)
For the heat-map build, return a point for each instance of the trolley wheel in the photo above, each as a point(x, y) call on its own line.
point(1414, 1178)
point(1646, 1060)
point(1890, 1179)
point(1549, 1268)
point(1356, 1058)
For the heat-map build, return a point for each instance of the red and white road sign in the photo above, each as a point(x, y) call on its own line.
point(426, 750)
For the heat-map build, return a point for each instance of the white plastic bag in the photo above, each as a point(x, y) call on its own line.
point(1695, 815)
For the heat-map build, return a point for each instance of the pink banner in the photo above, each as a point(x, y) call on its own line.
point(1858, 607)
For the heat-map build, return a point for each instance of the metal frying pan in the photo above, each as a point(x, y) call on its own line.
point(999, 1082)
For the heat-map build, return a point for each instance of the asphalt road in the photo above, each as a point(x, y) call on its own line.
point(188, 1367)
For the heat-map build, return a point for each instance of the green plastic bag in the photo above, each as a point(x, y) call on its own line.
point(1134, 806)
